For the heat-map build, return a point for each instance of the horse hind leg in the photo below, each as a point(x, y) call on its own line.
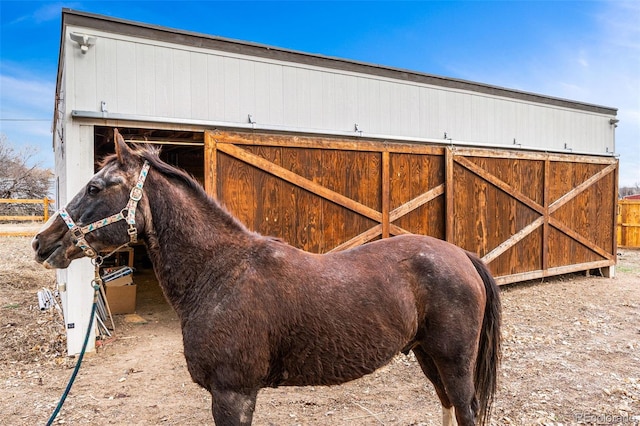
point(449, 416)
point(458, 380)
point(459, 404)
point(233, 408)
point(430, 370)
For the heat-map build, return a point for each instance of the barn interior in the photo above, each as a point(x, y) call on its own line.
point(183, 149)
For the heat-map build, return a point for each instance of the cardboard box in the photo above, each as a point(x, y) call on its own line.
point(118, 282)
point(121, 295)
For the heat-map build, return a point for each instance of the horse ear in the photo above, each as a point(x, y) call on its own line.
point(122, 150)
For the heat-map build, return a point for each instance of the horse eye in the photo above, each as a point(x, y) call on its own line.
point(92, 190)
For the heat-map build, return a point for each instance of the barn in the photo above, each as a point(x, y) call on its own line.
point(328, 153)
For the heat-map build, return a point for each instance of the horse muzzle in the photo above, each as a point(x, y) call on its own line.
point(52, 245)
point(53, 258)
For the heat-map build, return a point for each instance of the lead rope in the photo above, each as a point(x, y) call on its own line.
point(129, 215)
point(96, 283)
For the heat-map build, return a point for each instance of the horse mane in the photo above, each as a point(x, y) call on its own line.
point(174, 173)
point(151, 154)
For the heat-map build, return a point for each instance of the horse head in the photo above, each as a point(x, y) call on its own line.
point(101, 217)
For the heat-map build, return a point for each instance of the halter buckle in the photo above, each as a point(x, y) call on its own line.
point(76, 232)
point(136, 194)
point(133, 233)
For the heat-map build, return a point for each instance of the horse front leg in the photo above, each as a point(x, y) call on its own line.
point(232, 408)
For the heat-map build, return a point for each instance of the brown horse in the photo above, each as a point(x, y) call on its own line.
point(256, 312)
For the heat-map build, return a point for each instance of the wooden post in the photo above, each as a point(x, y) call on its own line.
point(210, 164)
point(45, 202)
point(545, 214)
point(449, 201)
point(610, 271)
point(386, 202)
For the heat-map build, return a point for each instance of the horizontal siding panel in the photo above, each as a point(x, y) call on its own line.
point(248, 91)
point(345, 103)
point(138, 77)
point(181, 86)
point(368, 97)
point(231, 91)
point(215, 87)
point(289, 78)
point(163, 84)
point(310, 99)
point(127, 77)
point(85, 87)
point(276, 95)
point(199, 87)
point(267, 106)
point(107, 82)
point(145, 72)
point(329, 100)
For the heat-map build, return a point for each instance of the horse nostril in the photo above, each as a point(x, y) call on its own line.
point(35, 243)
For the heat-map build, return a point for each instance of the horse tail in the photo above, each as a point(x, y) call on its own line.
point(488, 359)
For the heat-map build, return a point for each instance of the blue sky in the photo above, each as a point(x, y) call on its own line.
point(586, 51)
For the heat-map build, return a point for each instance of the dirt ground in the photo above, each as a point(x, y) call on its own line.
point(571, 356)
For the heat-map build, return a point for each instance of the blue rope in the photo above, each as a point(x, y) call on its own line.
point(75, 370)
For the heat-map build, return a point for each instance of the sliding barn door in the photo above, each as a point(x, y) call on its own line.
point(528, 215)
point(323, 195)
point(531, 215)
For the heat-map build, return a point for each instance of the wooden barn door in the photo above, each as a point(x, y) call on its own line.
point(528, 215)
point(532, 215)
point(324, 195)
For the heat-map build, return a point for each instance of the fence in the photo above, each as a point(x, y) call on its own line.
point(628, 230)
point(15, 231)
point(629, 223)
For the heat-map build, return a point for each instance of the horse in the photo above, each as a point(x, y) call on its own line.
point(256, 312)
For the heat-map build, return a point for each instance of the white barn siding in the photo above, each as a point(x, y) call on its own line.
point(262, 86)
point(139, 64)
point(129, 80)
point(247, 90)
point(345, 103)
point(182, 90)
point(160, 80)
point(231, 88)
point(215, 86)
point(161, 72)
point(199, 86)
point(330, 117)
point(84, 93)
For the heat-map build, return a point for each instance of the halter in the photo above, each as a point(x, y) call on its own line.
point(128, 213)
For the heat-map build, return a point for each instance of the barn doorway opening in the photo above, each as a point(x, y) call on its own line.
point(183, 149)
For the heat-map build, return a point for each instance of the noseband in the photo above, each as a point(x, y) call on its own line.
point(128, 213)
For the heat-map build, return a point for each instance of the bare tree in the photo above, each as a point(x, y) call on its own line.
point(17, 178)
point(629, 190)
